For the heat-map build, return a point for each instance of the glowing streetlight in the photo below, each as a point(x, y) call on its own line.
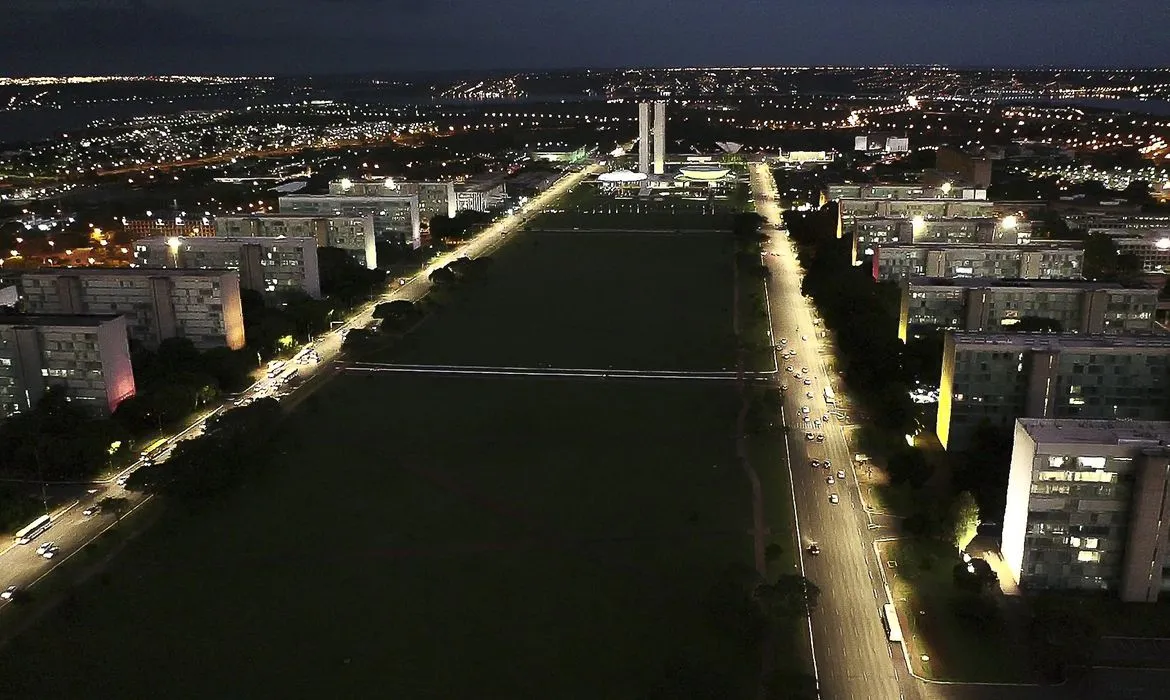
point(946, 188)
point(346, 183)
point(173, 243)
point(1009, 223)
point(1162, 244)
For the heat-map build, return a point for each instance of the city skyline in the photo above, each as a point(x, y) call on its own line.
point(362, 36)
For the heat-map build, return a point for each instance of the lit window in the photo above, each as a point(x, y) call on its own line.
point(1088, 556)
point(1091, 542)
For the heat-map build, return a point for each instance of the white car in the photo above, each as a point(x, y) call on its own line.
point(809, 436)
point(840, 473)
point(788, 368)
point(830, 480)
point(51, 552)
point(92, 510)
point(808, 394)
point(833, 499)
point(807, 381)
point(44, 548)
point(784, 341)
point(828, 464)
point(8, 593)
point(804, 370)
point(122, 480)
point(804, 337)
point(815, 464)
point(783, 387)
point(820, 437)
point(804, 410)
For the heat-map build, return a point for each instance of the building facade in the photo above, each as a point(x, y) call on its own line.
point(871, 233)
point(200, 305)
point(949, 261)
point(1087, 507)
point(167, 227)
point(996, 378)
point(270, 266)
point(353, 234)
point(397, 218)
point(997, 305)
point(88, 356)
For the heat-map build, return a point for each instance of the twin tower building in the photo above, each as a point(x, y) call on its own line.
point(652, 148)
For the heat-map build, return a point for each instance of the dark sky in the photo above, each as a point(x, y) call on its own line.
point(90, 37)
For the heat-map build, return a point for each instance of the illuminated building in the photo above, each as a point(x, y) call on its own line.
point(434, 198)
point(873, 232)
point(1000, 377)
point(270, 266)
point(652, 137)
point(167, 227)
point(899, 191)
point(951, 260)
point(1087, 507)
point(353, 234)
point(88, 356)
point(397, 218)
point(886, 143)
point(200, 305)
point(995, 305)
point(1151, 247)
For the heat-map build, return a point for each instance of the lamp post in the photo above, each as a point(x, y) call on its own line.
point(173, 243)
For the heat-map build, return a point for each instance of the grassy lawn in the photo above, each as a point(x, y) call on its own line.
point(440, 537)
point(925, 595)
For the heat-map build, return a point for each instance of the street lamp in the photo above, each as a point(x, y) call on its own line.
point(173, 243)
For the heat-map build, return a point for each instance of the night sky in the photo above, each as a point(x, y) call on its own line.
point(88, 37)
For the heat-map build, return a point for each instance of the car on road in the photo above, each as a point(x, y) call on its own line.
point(8, 593)
point(784, 341)
point(122, 480)
point(814, 549)
point(816, 424)
point(51, 551)
point(830, 480)
point(783, 387)
point(92, 510)
point(809, 436)
point(828, 464)
point(820, 437)
point(44, 548)
point(804, 338)
point(804, 370)
point(816, 464)
point(807, 381)
point(833, 499)
point(840, 473)
point(825, 418)
point(808, 394)
point(788, 368)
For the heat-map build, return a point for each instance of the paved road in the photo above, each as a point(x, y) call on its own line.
point(854, 660)
point(71, 530)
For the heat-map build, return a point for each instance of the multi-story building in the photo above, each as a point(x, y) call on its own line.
point(353, 234)
point(887, 143)
point(1087, 507)
point(270, 266)
point(88, 356)
point(1151, 247)
point(998, 377)
point(965, 168)
point(997, 305)
point(871, 233)
point(167, 226)
point(899, 191)
point(200, 305)
point(397, 218)
point(480, 196)
point(947, 260)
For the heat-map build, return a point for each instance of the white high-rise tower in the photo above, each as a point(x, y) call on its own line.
point(644, 137)
point(659, 137)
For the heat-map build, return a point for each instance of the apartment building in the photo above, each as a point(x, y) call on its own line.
point(167, 226)
point(950, 260)
point(997, 305)
point(868, 234)
point(88, 356)
point(270, 266)
point(200, 305)
point(1087, 507)
point(353, 234)
point(998, 377)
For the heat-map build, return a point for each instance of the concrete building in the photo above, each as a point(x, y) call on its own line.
point(270, 266)
point(397, 218)
point(167, 226)
point(1088, 503)
point(1150, 246)
point(434, 198)
point(353, 234)
point(200, 305)
point(884, 143)
point(947, 260)
point(996, 305)
point(652, 137)
point(970, 170)
point(88, 356)
point(480, 196)
point(898, 190)
point(998, 378)
point(871, 233)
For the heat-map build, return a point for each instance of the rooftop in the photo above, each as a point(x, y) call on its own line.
point(1058, 341)
point(1032, 247)
point(113, 272)
point(1095, 432)
point(228, 241)
point(981, 282)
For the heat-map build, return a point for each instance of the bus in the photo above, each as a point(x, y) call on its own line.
point(33, 530)
point(890, 619)
point(829, 398)
point(154, 449)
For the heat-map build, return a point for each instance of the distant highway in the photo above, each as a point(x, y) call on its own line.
point(71, 530)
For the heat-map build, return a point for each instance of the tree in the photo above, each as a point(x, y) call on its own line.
point(114, 504)
point(443, 277)
point(790, 596)
point(1100, 256)
point(964, 520)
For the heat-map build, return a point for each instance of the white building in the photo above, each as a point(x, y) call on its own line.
point(270, 266)
point(88, 356)
point(397, 218)
point(1088, 503)
point(353, 234)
